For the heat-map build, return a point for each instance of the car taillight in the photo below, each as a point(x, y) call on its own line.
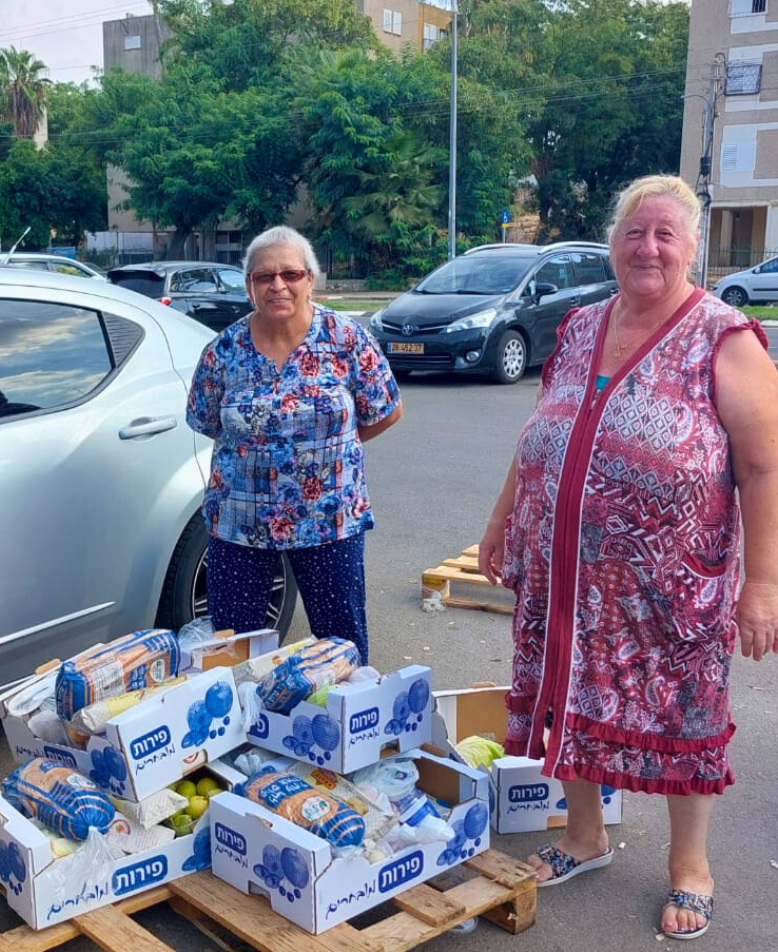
point(166, 300)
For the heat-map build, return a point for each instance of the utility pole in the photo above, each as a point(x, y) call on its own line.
point(710, 115)
point(452, 145)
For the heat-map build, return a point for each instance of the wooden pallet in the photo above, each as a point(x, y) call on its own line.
point(503, 891)
point(464, 569)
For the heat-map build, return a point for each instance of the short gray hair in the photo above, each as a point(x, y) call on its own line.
point(282, 235)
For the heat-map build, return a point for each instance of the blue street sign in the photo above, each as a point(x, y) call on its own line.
point(506, 217)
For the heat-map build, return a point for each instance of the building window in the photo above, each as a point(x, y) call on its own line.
point(132, 42)
point(432, 34)
point(743, 79)
point(744, 8)
point(393, 22)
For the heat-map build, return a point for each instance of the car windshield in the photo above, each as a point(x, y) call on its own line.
point(477, 274)
point(144, 282)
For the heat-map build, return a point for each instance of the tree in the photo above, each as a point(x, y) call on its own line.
point(25, 195)
point(25, 88)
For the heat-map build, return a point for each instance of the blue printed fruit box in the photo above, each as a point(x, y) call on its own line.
point(359, 721)
point(257, 851)
point(521, 799)
point(45, 891)
point(151, 745)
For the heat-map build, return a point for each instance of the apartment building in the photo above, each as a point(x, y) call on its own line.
point(398, 23)
point(732, 73)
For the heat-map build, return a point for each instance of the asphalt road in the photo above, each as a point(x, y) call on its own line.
point(432, 481)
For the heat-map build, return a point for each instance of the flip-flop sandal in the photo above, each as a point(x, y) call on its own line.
point(694, 902)
point(564, 866)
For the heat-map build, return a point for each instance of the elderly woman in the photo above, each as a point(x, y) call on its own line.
point(619, 530)
point(289, 394)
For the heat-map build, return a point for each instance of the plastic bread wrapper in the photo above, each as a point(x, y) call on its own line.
point(259, 667)
point(30, 698)
point(94, 861)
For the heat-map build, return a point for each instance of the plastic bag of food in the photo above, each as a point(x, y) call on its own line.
point(479, 751)
point(65, 801)
point(135, 661)
point(93, 718)
point(300, 803)
point(327, 661)
point(258, 667)
point(377, 821)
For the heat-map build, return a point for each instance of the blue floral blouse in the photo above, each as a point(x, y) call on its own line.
point(288, 468)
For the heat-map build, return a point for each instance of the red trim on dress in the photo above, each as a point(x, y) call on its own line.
point(648, 741)
point(560, 621)
point(620, 781)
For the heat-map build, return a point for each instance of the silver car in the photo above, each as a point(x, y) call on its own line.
point(100, 478)
point(59, 264)
point(753, 286)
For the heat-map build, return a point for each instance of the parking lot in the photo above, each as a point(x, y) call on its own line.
point(432, 480)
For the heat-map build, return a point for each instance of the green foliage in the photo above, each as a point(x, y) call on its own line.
point(24, 196)
point(24, 90)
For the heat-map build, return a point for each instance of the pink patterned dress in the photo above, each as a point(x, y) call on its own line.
point(623, 551)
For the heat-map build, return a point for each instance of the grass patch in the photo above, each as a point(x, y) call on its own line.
point(760, 313)
point(354, 305)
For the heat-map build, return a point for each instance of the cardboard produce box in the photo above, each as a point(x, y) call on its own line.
point(521, 799)
point(33, 878)
point(257, 851)
point(359, 721)
point(151, 745)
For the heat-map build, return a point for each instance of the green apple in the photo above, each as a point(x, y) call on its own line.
point(197, 807)
point(186, 788)
point(208, 787)
point(180, 819)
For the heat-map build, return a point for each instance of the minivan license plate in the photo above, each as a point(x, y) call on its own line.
point(400, 347)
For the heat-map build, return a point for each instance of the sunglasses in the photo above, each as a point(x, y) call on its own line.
point(288, 277)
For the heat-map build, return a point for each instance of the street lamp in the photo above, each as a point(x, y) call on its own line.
point(452, 145)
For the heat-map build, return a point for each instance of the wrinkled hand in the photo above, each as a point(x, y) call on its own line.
point(757, 618)
point(491, 550)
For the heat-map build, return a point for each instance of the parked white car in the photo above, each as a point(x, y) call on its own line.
point(101, 480)
point(755, 285)
point(59, 264)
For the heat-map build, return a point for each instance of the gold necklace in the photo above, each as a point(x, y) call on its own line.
point(618, 349)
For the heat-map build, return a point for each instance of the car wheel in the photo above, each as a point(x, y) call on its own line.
point(511, 360)
point(185, 592)
point(735, 297)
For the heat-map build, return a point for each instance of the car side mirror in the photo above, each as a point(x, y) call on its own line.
point(542, 289)
point(758, 269)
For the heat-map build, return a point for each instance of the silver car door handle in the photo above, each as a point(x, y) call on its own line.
point(575, 300)
point(147, 426)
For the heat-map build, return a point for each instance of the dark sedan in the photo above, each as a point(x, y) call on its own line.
point(493, 310)
point(213, 294)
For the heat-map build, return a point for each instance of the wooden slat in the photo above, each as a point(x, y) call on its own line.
point(471, 550)
point(404, 931)
point(465, 562)
point(25, 939)
point(429, 905)
point(495, 607)
point(114, 931)
point(444, 573)
point(502, 869)
point(251, 919)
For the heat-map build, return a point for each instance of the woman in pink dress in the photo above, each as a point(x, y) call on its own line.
point(618, 527)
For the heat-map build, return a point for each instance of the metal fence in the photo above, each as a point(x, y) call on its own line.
point(727, 260)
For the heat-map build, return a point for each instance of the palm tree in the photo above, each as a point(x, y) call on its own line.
point(24, 87)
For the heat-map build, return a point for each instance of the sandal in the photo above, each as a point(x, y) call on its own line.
point(694, 902)
point(564, 866)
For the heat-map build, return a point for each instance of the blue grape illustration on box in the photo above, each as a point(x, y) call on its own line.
point(308, 734)
point(200, 717)
point(12, 869)
point(467, 836)
point(109, 770)
point(284, 870)
point(201, 851)
point(408, 709)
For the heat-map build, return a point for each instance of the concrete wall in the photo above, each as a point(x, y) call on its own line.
point(134, 44)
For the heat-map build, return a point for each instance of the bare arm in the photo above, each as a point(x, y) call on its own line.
point(747, 400)
point(491, 549)
point(376, 429)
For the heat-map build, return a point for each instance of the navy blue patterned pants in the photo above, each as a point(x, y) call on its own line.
point(330, 577)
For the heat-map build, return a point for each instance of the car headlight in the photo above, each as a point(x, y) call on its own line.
point(481, 319)
point(375, 320)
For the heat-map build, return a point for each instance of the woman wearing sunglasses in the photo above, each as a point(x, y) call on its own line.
point(289, 394)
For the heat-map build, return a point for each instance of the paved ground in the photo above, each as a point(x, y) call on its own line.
point(433, 479)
